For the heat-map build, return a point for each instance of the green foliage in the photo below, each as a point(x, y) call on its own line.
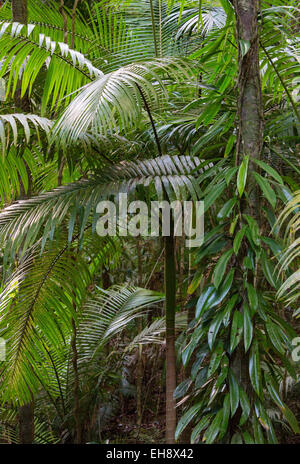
point(141, 97)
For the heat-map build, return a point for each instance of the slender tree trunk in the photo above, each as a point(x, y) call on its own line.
point(250, 140)
point(170, 294)
point(250, 108)
point(139, 370)
point(26, 424)
point(19, 11)
point(77, 416)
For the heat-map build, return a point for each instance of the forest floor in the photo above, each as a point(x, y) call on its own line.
point(124, 428)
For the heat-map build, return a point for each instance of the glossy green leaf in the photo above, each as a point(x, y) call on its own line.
point(236, 330)
point(269, 170)
point(238, 239)
point(187, 417)
point(266, 188)
point(242, 175)
point(254, 369)
point(220, 267)
point(248, 327)
point(233, 392)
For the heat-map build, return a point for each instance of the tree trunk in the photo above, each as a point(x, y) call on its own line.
point(249, 143)
point(170, 305)
point(19, 11)
point(250, 108)
point(26, 424)
point(139, 369)
point(76, 390)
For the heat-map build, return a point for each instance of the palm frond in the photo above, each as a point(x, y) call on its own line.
point(114, 102)
point(24, 52)
point(9, 126)
point(290, 216)
point(27, 219)
point(155, 332)
point(36, 313)
point(109, 312)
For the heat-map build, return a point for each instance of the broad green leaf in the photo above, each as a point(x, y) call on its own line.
point(229, 174)
point(212, 196)
point(226, 209)
point(269, 170)
point(220, 268)
point(254, 228)
point(224, 372)
point(201, 377)
point(203, 424)
point(248, 327)
point(233, 392)
point(182, 388)
point(248, 439)
point(195, 283)
point(213, 430)
point(258, 433)
point(269, 270)
point(245, 404)
point(214, 328)
point(238, 239)
point(290, 417)
point(204, 300)
point(275, 335)
point(187, 417)
point(254, 369)
point(242, 175)
point(236, 330)
point(252, 296)
point(266, 188)
point(229, 145)
point(226, 415)
point(215, 359)
point(229, 307)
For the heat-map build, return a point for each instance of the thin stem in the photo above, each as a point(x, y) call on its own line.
point(151, 120)
point(170, 305)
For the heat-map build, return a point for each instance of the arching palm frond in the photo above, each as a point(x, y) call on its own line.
point(144, 32)
point(32, 301)
point(24, 52)
point(155, 332)
point(109, 312)
point(37, 305)
point(10, 123)
point(194, 21)
point(18, 169)
point(116, 100)
point(41, 215)
point(50, 21)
